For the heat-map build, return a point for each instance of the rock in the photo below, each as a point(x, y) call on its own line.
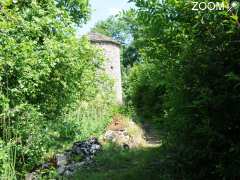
point(95, 148)
point(88, 158)
point(31, 176)
point(61, 170)
point(71, 167)
point(80, 164)
point(109, 135)
point(81, 154)
point(68, 173)
point(125, 133)
point(78, 150)
point(87, 148)
point(45, 165)
point(120, 137)
point(68, 153)
point(61, 160)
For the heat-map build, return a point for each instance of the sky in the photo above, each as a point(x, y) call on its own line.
point(102, 9)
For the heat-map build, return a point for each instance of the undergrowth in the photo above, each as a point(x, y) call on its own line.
point(116, 163)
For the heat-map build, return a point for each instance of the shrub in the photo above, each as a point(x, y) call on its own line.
point(44, 72)
point(146, 92)
point(198, 55)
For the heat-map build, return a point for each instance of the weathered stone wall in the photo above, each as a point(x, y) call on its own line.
point(113, 66)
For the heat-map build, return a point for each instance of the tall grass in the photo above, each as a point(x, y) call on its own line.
point(8, 161)
point(7, 145)
point(89, 118)
point(27, 139)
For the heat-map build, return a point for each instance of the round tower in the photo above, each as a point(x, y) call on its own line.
point(112, 66)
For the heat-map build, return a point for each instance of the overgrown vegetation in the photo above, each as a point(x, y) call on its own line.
point(185, 81)
point(189, 83)
point(51, 87)
point(118, 164)
point(181, 73)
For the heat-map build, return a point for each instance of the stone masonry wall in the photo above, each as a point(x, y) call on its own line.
point(113, 67)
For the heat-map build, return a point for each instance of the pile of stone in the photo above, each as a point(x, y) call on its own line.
point(120, 137)
point(80, 155)
point(124, 133)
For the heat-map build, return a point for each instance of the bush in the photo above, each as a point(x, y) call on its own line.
point(197, 55)
point(44, 72)
point(146, 93)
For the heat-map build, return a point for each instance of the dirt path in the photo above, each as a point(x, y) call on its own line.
point(137, 135)
point(151, 134)
point(117, 163)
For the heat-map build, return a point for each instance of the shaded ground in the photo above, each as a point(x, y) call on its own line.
point(114, 163)
point(117, 163)
point(151, 134)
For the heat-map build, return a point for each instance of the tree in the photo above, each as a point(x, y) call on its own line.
point(44, 70)
point(192, 57)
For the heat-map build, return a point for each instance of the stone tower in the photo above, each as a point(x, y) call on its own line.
point(112, 65)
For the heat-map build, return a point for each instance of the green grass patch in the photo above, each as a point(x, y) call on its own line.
point(116, 163)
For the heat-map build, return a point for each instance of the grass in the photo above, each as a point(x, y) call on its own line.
point(88, 119)
point(142, 162)
point(116, 163)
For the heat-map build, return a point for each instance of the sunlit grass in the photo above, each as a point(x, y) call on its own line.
point(116, 163)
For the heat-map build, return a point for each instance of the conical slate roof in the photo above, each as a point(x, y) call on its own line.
point(97, 37)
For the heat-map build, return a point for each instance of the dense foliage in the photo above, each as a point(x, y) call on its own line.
point(181, 72)
point(45, 71)
point(188, 83)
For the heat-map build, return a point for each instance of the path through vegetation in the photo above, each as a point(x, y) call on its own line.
point(152, 135)
point(117, 163)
